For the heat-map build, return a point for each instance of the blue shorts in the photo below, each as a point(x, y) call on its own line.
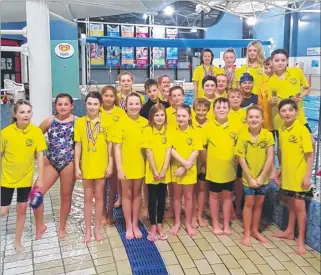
point(261, 191)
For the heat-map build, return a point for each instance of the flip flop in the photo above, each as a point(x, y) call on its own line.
point(163, 237)
point(152, 237)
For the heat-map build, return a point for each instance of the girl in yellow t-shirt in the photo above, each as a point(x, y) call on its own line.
point(204, 69)
point(126, 81)
point(93, 160)
point(113, 113)
point(20, 141)
point(130, 162)
point(157, 142)
point(164, 84)
point(176, 96)
point(186, 146)
point(253, 65)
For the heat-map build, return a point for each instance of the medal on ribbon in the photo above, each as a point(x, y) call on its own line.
point(92, 138)
point(210, 71)
point(230, 76)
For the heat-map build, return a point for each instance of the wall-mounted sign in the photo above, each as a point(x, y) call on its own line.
point(64, 50)
point(314, 51)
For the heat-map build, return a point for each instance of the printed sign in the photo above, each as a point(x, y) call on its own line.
point(142, 52)
point(97, 54)
point(64, 50)
point(159, 53)
point(127, 53)
point(172, 53)
point(314, 51)
point(113, 53)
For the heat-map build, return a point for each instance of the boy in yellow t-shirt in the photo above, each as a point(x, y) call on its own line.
point(201, 109)
point(294, 176)
point(255, 152)
point(219, 140)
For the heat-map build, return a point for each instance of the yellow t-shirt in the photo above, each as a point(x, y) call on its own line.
point(94, 157)
point(18, 148)
point(262, 101)
point(295, 142)
point(158, 142)
point(198, 76)
point(237, 118)
point(285, 88)
point(257, 72)
point(220, 161)
point(171, 117)
point(129, 133)
point(254, 153)
point(233, 83)
point(112, 118)
point(184, 143)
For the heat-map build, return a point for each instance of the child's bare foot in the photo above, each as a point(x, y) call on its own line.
point(98, 236)
point(129, 234)
point(62, 233)
point(301, 250)
point(190, 230)
point(194, 222)
point(201, 221)
point(284, 235)
point(137, 233)
point(246, 241)
point(227, 231)
point(175, 229)
point(18, 246)
point(118, 203)
point(87, 238)
point(217, 230)
point(40, 233)
point(259, 237)
point(104, 221)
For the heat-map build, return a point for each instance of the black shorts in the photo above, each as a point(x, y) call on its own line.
point(7, 194)
point(201, 176)
point(239, 171)
point(219, 187)
point(308, 195)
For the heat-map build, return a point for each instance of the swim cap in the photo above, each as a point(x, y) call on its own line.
point(246, 77)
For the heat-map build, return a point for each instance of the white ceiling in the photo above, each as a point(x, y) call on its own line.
point(14, 10)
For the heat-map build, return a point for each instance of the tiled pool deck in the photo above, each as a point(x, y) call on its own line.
point(206, 254)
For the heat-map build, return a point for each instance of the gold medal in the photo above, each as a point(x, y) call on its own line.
point(92, 138)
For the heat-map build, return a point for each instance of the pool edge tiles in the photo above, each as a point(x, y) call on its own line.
point(143, 255)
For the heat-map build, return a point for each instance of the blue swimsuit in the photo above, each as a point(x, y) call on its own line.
point(61, 144)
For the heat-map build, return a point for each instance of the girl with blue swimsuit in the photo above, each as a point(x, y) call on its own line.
point(59, 162)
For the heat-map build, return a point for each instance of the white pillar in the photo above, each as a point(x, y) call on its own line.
point(38, 33)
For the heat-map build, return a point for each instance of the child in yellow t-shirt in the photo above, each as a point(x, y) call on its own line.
point(222, 86)
point(255, 152)
point(176, 98)
point(20, 141)
point(186, 146)
point(110, 108)
point(219, 140)
point(294, 176)
point(237, 118)
point(157, 144)
point(130, 162)
point(93, 160)
point(201, 108)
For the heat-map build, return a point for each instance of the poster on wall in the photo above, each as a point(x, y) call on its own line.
point(159, 53)
point(113, 53)
point(172, 53)
point(142, 52)
point(97, 54)
point(127, 53)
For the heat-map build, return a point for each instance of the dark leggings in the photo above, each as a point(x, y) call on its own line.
point(156, 202)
